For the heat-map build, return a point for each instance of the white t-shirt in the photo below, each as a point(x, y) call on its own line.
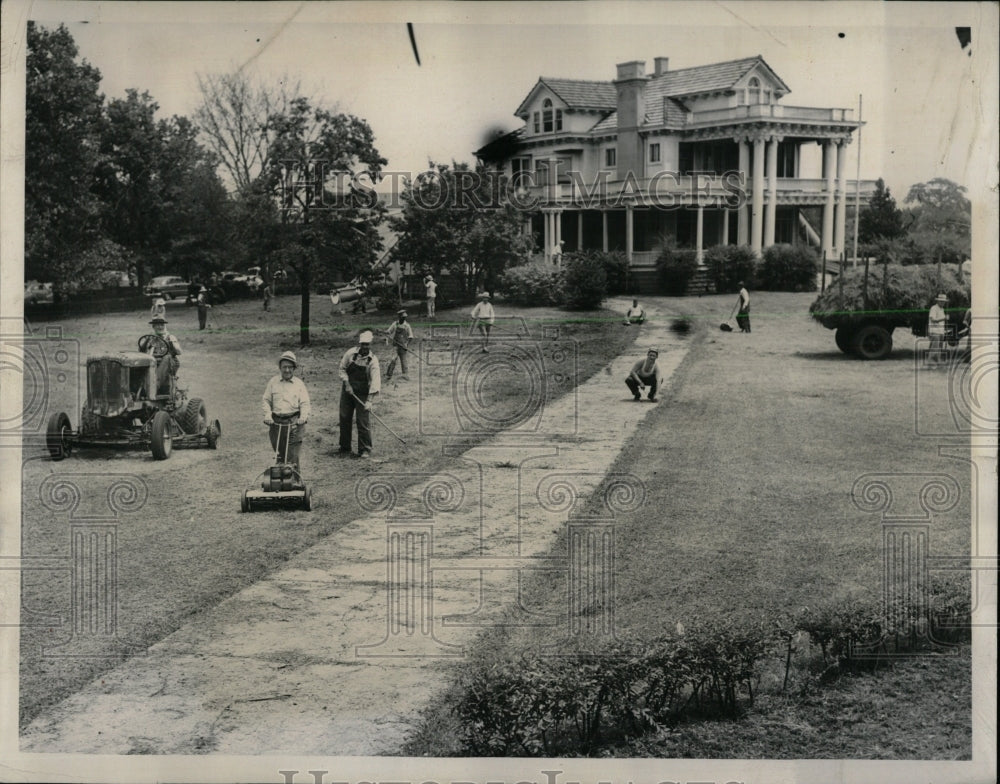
point(431, 287)
point(484, 312)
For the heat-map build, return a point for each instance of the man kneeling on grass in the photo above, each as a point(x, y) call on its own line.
point(645, 373)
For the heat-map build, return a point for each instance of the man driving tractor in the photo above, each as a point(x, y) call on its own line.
point(166, 349)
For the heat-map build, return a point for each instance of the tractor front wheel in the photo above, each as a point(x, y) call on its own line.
point(162, 436)
point(57, 436)
point(245, 503)
point(307, 500)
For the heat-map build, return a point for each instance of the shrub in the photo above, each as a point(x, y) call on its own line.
point(675, 268)
point(728, 265)
point(788, 268)
point(532, 285)
point(585, 284)
point(615, 266)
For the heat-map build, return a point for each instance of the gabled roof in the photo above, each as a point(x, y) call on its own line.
point(708, 78)
point(575, 93)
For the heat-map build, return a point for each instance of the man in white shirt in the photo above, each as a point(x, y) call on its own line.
point(360, 380)
point(937, 320)
point(645, 373)
point(286, 408)
point(635, 315)
point(484, 316)
point(430, 288)
point(166, 350)
point(743, 305)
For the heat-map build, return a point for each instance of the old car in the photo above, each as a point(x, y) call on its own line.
point(169, 286)
point(126, 408)
point(36, 293)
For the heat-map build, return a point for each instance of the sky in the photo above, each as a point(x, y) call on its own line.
point(479, 60)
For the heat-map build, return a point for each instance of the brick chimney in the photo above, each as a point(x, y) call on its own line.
point(631, 88)
point(661, 64)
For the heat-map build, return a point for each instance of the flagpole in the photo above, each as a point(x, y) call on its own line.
point(857, 187)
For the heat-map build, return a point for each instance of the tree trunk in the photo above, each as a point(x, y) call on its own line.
point(304, 319)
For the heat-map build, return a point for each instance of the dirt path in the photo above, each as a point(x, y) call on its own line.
point(337, 652)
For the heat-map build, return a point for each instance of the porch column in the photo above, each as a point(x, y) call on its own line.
point(725, 227)
point(547, 241)
point(699, 254)
point(579, 230)
point(828, 174)
point(771, 208)
point(757, 198)
point(629, 233)
point(742, 214)
point(840, 209)
point(604, 230)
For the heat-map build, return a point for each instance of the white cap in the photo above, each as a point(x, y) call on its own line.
point(366, 337)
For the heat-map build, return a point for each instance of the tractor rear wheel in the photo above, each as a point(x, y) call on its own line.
point(873, 342)
point(57, 436)
point(162, 435)
point(193, 417)
point(845, 339)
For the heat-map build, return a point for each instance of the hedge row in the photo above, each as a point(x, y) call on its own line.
point(781, 268)
point(581, 283)
point(579, 702)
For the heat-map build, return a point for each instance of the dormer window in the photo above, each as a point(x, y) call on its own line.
point(537, 124)
point(547, 124)
point(753, 90)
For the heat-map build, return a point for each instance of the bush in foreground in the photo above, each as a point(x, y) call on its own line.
point(585, 284)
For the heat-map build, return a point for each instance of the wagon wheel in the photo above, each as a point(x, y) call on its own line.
point(245, 505)
point(873, 342)
point(193, 417)
point(57, 436)
point(845, 339)
point(162, 435)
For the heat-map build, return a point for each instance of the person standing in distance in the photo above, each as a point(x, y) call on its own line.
point(401, 333)
point(743, 308)
point(286, 406)
point(203, 307)
point(360, 381)
point(937, 320)
point(484, 316)
point(430, 289)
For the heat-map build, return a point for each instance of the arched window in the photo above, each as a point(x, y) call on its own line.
point(753, 90)
point(547, 115)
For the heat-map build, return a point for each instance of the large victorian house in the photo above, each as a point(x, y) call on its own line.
point(702, 156)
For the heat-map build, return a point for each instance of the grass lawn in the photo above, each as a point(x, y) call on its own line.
point(189, 546)
point(749, 464)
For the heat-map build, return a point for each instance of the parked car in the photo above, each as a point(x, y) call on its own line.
point(38, 293)
point(117, 279)
point(254, 282)
point(170, 286)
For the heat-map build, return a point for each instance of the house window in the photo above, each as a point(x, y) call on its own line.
point(547, 115)
point(753, 90)
point(610, 159)
point(520, 170)
point(558, 119)
point(654, 153)
point(536, 120)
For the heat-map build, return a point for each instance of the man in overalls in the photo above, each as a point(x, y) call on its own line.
point(361, 380)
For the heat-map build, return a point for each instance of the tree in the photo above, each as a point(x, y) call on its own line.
point(319, 228)
point(62, 125)
point(454, 219)
point(941, 220)
point(234, 117)
point(881, 219)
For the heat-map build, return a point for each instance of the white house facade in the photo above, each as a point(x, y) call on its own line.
point(701, 156)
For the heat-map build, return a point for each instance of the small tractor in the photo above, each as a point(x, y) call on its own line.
point(126, 408)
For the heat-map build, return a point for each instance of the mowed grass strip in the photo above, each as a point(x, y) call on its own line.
point(748, 465)
point(190, 547)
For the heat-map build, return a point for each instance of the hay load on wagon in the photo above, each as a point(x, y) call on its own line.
point(864, 310)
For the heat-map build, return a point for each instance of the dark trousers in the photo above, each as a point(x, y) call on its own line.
point(286, 438)
point(401, 354)
point(743, 319)
point(649, 381)
point(166, 367)
point(202, 317)
point(351, 408)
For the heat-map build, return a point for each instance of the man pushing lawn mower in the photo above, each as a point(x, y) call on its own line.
point(286, 407)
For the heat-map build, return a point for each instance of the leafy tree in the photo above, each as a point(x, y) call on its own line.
point(62, 123)
point(881, 219)
point(453, 219)
point(942, 220)
point(320, 231)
